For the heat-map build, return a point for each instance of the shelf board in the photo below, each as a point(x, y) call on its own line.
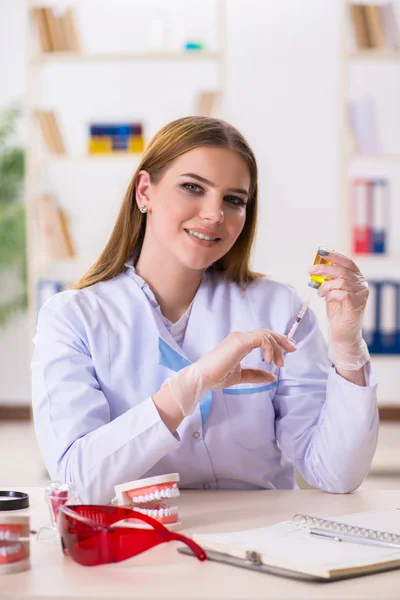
point(55, 57)
point(376, 157)
point(83, 158)
point(374, 56)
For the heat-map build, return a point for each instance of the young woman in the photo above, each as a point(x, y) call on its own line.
point(158, 360)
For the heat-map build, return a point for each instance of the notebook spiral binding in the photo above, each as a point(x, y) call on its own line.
point(363, 532)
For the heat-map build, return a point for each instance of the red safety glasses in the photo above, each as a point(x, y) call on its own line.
point(90, 536)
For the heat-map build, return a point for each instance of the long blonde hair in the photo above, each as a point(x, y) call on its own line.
point(173, 140)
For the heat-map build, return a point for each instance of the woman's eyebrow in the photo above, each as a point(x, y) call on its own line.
point(211, 184)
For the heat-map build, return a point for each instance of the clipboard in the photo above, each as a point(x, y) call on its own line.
point(253, 565)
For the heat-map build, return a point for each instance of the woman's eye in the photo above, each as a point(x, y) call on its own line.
point(192, 187)
point(235, 200)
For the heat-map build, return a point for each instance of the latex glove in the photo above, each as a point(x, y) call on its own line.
point(346, 296)
point(221, 367)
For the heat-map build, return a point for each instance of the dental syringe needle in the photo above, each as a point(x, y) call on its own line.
point(296, 323)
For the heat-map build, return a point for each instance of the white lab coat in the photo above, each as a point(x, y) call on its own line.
point(101, 352)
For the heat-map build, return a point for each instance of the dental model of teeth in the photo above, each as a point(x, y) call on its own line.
point(148, 496)
point(14, 544)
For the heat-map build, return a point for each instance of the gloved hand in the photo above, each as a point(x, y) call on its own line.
point(221, 367)
point(346, 295)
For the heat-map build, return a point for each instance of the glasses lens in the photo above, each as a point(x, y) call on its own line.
point(85, 543)
point(94, 542)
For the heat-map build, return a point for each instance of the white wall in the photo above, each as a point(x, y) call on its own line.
point(283, 78)
point(14, 338)
point(283, 94)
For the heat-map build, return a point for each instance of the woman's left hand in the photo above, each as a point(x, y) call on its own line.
point(346, 294)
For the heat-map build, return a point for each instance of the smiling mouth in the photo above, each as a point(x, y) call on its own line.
point(201, 236)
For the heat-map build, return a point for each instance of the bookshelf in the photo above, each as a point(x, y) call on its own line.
point(383, 164)
point(88, 188)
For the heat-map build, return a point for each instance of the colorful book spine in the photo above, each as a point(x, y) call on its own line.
point(109, 138)
point(361, 216)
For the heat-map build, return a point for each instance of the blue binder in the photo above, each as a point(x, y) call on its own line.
point(383, 335)
point(379, 189)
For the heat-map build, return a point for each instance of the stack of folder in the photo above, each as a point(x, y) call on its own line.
point(381, 325)
point(370, 216)
point(106, 138)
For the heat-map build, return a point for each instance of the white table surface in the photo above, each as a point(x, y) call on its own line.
point(164, 573)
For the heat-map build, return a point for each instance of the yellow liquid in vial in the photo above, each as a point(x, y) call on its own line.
point(316, 280)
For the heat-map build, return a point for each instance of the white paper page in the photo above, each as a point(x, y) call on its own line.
point(290, 546)
point(380, 520)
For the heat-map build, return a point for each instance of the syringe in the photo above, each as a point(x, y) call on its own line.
point(296, 323)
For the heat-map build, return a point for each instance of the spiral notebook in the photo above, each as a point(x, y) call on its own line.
point(289, 548)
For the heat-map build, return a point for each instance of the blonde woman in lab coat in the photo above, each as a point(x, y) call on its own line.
point(159, 359)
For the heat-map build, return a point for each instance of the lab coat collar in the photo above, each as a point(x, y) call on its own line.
point(197, 340)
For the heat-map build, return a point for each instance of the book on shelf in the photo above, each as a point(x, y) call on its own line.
point(54, 229)
point(363, 122)
point(375, 26)
point(40, 19)
point(57, 31)
point(308, 547)
point(360, 26)
point(51, 131)
point(390, 25)
point(70, 31)
point(206, 103)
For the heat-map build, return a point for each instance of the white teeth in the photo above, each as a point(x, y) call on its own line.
point(201, 236)
point(172, 492)
point(7, 550)
point(162, 512)
point(8, 536)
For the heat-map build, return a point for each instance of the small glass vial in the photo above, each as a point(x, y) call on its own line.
point(56, 494)
point(317, 280)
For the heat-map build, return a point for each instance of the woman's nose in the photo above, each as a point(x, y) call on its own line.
point(212, 212)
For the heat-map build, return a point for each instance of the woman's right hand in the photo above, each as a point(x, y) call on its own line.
point(221, 367)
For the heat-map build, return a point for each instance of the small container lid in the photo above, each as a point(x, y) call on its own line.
point(314, 284)
point(10, 500)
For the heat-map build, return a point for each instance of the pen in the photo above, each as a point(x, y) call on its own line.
point(355, 539)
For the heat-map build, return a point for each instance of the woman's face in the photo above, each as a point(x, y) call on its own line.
point(197, 209)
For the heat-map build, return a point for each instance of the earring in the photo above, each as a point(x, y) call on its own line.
point(143, 208)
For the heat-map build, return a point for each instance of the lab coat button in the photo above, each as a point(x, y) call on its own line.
point(196, 435)
point(206, 486)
